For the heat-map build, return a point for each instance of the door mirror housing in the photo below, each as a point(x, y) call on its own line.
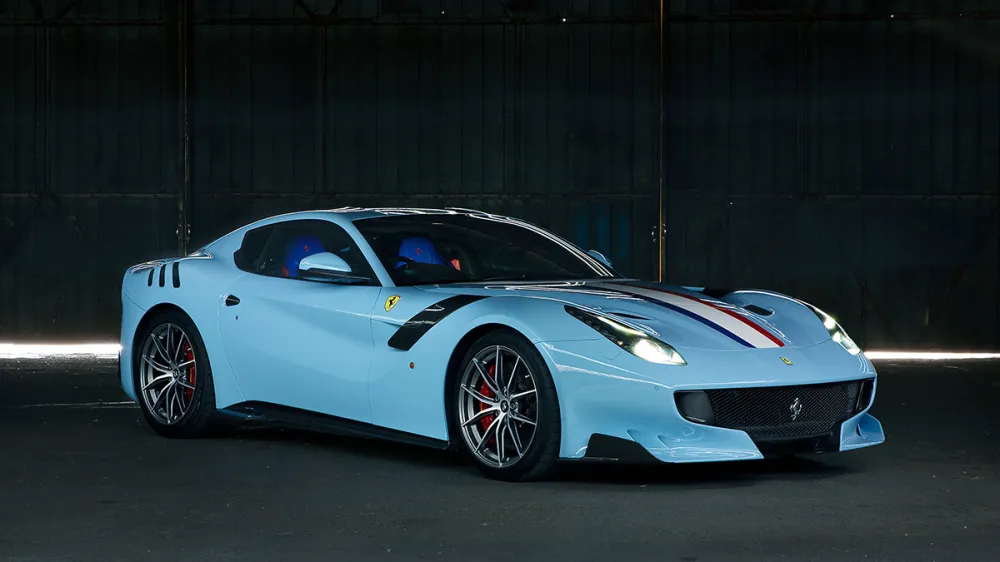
point(599, 257)
point(328, 267)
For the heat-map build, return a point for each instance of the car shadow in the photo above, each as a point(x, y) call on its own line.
point(721, 474)
point(376, 448)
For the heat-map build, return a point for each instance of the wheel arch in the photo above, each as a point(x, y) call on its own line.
point(455, 359)
point(147, 318)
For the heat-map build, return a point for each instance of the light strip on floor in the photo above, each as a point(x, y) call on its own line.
point(110, 351)
point(927, 356)
point(47, 350)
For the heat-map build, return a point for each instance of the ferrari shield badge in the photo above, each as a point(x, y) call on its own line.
point(391, 302)
point(785, 359)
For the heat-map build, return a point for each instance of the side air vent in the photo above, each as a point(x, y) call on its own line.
point(758, 310)
point(149, 281)
point(176, 274)
point(163, 275)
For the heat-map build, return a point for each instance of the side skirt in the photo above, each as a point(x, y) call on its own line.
point(295, 418)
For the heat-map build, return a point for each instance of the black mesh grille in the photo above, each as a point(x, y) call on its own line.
point(782, 412)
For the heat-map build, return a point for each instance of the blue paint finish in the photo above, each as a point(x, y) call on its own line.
point(323, 347)
point(200, 297)
point(708, 323)
point(633, 399)
point(302, 344)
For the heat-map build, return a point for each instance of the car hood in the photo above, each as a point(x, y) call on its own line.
point(684, 317)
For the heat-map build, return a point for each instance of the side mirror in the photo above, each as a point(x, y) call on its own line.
point(599, 257)
point(326, 265)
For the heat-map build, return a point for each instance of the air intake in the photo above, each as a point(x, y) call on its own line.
point(758, 310)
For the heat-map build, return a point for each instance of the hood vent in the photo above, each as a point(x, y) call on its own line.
point(758, 310)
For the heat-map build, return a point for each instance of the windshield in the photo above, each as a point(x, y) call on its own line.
point(433, 249)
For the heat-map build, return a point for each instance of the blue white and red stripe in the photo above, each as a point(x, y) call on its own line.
point(732, 324)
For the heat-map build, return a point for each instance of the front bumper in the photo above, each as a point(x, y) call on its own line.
point(616, 406)
point(859, 432)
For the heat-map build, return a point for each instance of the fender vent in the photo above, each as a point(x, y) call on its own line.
point(176, 274)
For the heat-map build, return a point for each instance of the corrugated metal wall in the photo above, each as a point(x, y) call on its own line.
point(843, 152)
point(445, 106)
point(502, 106)
point(87, 164)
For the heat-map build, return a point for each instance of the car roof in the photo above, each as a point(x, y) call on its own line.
point(346, 215)
point(357, 213)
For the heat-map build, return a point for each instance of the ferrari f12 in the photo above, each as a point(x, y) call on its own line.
point(485, 333)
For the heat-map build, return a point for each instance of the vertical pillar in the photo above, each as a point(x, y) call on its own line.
point(660, 230)
point(184, 28)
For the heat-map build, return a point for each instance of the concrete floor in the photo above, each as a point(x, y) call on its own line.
point(87, 481)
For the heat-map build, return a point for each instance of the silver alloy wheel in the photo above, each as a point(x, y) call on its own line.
point(498, 406)
point(167, 372)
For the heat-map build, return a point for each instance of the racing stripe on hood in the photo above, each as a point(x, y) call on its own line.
point(410, 332)
point(727, 322)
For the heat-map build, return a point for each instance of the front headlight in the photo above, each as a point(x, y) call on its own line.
point(837, 333)
point(634, 341)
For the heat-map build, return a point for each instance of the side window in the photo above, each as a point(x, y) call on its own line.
point(254, 241)
point(276, 250)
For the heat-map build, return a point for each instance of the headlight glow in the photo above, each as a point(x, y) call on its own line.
point(837, 333)
point(634, 341)
point(657, 352)
point(843, 339)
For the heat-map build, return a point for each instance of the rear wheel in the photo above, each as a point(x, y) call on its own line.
point(506, 408)
point(173, 378)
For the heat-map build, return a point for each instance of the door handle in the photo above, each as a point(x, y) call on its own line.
point(232, 300)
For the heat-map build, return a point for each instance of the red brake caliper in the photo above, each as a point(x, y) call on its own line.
point(189, 356)
point(485, 389)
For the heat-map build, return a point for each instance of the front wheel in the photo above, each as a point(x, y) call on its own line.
point(506, 408)
point(173, 379)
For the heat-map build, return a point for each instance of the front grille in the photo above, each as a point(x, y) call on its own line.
point(785, 412)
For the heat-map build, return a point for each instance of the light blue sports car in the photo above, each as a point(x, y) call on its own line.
point(460, 328)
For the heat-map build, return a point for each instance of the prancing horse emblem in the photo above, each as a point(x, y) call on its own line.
point(795, 408)
point(786, 360)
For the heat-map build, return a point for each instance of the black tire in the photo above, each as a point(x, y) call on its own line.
point(539, 461)
point(196, 420)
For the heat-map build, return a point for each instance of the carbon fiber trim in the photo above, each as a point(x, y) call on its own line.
point(409, 333)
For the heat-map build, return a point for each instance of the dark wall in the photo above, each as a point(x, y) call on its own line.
point(848, 156)
point(468, 104)
point(88, 175)
point(553, 122)
point(842, 151)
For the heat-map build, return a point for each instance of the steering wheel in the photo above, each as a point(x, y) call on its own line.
point(405, 266)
